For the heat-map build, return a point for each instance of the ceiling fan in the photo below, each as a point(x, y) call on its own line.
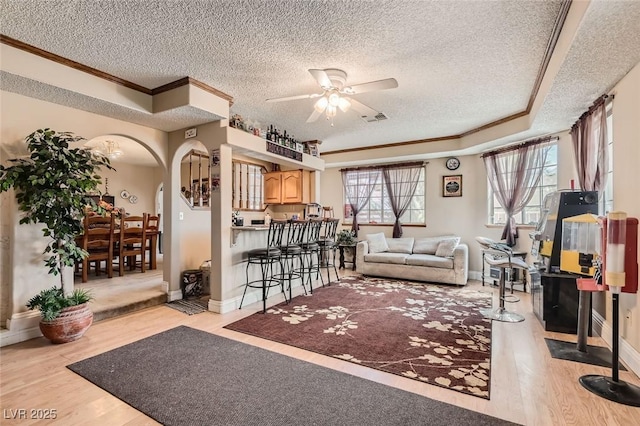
point(335, 94)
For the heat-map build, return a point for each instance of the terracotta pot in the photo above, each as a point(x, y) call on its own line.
point(70, 325)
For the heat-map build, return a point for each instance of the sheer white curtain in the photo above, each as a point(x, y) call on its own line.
point(514, 175)
point(401, 183)
point(589, 136)
point(358, 186)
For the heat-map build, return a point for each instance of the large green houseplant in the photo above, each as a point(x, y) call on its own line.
point(51, 188)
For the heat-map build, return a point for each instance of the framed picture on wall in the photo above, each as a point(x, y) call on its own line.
point(452, 186)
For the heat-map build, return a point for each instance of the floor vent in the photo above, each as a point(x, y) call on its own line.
point(378, 117)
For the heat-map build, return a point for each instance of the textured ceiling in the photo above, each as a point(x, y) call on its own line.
point(459, 65)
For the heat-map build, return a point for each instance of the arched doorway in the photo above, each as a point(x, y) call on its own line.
point(132, 187)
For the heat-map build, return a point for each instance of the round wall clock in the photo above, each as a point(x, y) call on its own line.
point(452, 163)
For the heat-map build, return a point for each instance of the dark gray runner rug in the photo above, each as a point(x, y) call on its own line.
point(185, 376)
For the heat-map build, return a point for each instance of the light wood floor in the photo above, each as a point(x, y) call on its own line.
point(527, 385)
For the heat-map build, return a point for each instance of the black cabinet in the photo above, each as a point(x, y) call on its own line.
point(555, 302)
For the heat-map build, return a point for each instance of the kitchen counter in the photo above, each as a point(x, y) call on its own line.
point(236, 230)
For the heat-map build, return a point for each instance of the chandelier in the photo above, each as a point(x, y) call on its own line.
point(109, 149)
point(330, 102)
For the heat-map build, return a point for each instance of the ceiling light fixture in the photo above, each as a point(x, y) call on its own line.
point(109, 149)
point(330, 102)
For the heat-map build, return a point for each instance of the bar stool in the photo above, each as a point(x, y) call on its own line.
point(328, 248)
point(310, 248)
point(266, 257)
point(501, 256)
point(292, 251)
point(327, 212)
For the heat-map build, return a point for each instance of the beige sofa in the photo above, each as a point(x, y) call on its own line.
point(433, 259)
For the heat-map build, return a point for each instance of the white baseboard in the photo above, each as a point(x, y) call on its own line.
point(174, 295)
point(627, 353)
point(222, 307)
point(21, 327)
point(255, 296)
point(475, 275)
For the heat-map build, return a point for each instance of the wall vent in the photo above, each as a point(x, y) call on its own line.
point(373, 118)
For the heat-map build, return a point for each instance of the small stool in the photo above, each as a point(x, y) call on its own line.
point(501, 256)
point(500, 313)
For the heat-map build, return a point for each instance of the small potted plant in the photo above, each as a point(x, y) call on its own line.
point(51, 188)
point(56, 307)
point(345, 238)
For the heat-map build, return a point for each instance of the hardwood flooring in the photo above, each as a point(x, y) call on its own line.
point(527, 385)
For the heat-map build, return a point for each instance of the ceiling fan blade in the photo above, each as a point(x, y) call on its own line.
point(321, 77)
point(293, 98)
point(387, 83)
point(362, 109)
point(314, 116)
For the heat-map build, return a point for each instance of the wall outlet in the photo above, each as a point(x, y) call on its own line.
point(181, 216)
point(629, 317)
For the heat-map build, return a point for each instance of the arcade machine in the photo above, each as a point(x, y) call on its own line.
point(554, 293)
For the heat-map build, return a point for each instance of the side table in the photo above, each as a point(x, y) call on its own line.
point(341, 247)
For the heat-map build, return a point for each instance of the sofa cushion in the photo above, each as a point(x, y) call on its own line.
point(446, 247)
point(377, 243)
point(400, 245)
point(429, 260)
point(395, 258)
point(427, 245)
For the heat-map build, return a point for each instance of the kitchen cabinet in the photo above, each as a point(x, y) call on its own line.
point(287, 187)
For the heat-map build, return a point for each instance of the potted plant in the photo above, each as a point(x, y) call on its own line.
point(51, 188)
point(346, 238)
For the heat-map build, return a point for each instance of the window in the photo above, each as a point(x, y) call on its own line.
point(530, 215)
point(248, 186)
point(378, 209)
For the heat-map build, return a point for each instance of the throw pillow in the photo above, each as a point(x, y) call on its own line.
point(446, 247)
point(428, 245)
point(377, 243)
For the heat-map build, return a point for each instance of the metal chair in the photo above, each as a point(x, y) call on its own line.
point(328, 248)
point(310, 248)
point(292, 252)
point(267, 257)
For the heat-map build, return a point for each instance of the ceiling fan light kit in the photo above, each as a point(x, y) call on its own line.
point(334, 95)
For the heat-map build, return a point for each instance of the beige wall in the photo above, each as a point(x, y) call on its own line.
point(626, 180)
point(142, 182)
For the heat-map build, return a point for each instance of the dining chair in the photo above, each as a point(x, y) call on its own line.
point(153, 231)
point(132, 242)
point(98, 241)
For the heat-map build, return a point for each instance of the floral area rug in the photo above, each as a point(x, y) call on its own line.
point(432, 333)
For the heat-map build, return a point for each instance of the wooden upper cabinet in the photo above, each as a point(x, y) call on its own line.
point(287, 187)
point(272, 188)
